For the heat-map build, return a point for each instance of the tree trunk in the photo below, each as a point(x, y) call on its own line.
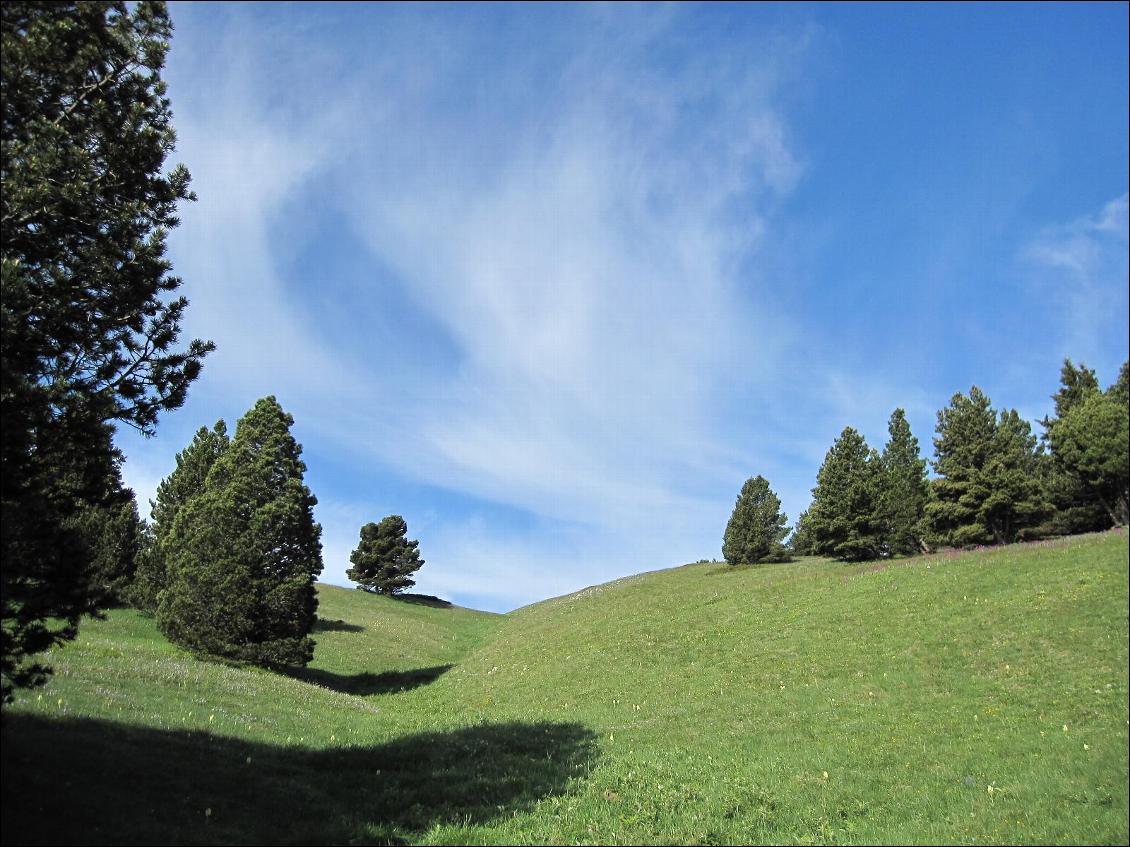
point(1113, 510)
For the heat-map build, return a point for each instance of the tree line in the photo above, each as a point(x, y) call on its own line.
point(995, 481)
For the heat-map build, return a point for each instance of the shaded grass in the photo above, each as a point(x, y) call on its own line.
point(193, 786)
point(964, 698)
point(366, 684)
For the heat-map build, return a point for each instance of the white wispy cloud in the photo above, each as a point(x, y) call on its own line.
point(568, 223)
point(578, 244)
point(1082, 272)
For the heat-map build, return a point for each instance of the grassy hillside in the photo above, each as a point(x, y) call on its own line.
point(979, 697)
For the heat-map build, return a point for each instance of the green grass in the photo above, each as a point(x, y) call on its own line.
point(973, 698)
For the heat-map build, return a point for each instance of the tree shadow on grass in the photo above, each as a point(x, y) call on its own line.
point(81, 780)
point(366, 684)
point(324, 625)
point(423, 600)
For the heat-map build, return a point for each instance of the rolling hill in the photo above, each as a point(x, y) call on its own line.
point(958, 698)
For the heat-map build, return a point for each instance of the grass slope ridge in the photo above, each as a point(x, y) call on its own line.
point(973, 697)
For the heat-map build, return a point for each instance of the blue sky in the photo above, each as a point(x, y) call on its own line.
point(552, 281)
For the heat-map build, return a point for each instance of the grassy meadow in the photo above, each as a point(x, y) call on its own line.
point(978, 697)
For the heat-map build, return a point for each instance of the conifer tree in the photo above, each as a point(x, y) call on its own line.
point(53, 514)
point(114, 535)
point(103, 520)
point(1075, 385)
point(905, 489)
point(989, 488)
point(185, 482)
point(385, 559)
point(1120, 390)
point(90, 323)
point(845, 517)
point(1089, 445)
point(965, 431)
point(1077, 508)
point(243, 555)
point(1015, 498)
point(800, 542)
point(757, 526)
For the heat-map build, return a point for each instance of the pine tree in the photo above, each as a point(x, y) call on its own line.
point(385, 559)
point(1089, 446)
point(1077, 508)
point(1014, 497)
point(989, 488)
point(243, 555)
point(800, 542)
point(185, 482)
point(114, 537)
point(54, 498)
point(1075, 385)
point(89, 323)
point(965, 431)
point(1120, 390)
point(757, 526)
point(905, 489)
point(845, 517)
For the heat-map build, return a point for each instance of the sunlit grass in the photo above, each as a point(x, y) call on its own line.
point(969, 698)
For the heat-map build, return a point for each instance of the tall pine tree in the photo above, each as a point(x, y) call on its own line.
point(114, 535)
point(989, 487)
point(1015, 499)
point(90, 322)
point(800, 542)
point(1077, 508)
point(243, 555)
point(1089, 446)
point(845, 518)
point(185, 482)
point(905, 489)
point(965, 431)
point(757, 526)
point(385, 559)
point(1075, 385)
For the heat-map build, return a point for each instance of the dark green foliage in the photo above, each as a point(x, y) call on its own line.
point(905, 489)
point(242, 556)
point(114, 535)
point(1089, 445)
point(1075, 385)
point(47, 551)
point(185, 482)
point(964, 440)
point(385, 559)
point(1077, 509)
point(1014, 498)
point(1120, 391)
point(144, 590)
point(103, 515)
point(989, 489)
point(757, 526)
point(88, 320)
point(845, 519)
point(801, 542)
point(86, 208)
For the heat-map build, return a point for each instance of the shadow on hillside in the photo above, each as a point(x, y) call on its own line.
point(72, 780)
point(366, 684)
point(423, 600)
point(326, 625)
